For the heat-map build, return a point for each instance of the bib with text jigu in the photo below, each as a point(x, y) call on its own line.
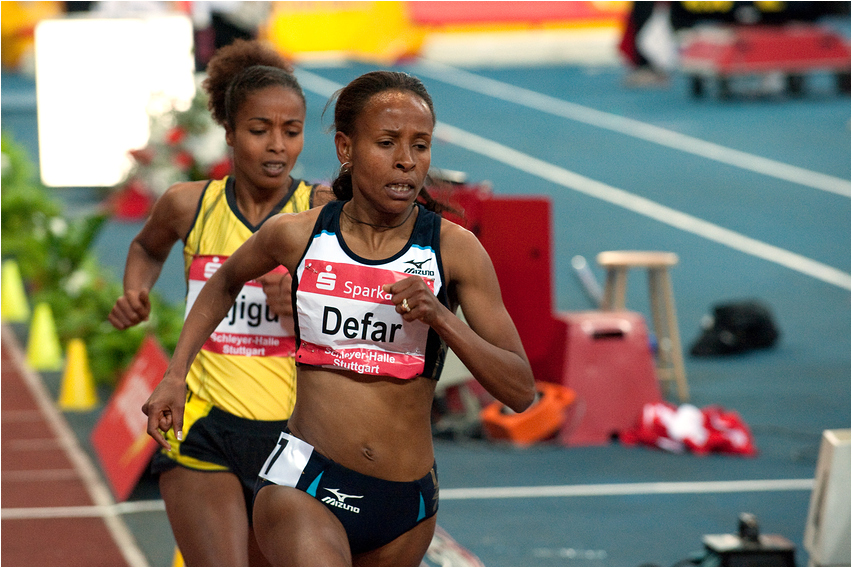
point(250, 329)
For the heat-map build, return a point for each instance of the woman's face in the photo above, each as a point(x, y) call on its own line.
point(391, 150)
point(268, 137)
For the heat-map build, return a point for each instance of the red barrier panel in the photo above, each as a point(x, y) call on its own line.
point(603, 357)
point(516, 232)
point(754, 49)
point(120, 439)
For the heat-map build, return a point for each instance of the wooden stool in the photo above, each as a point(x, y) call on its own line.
point(617, 264)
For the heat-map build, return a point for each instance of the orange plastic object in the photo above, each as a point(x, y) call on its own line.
point(539, 422)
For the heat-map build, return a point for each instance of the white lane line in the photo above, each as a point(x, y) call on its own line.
point(616, 196)
point(455, 494)
point(316, 83)
point(32, 445)
point(96, 487)
point(643, 206)
point(637, 129)
point(20, 415)
point(614, 489)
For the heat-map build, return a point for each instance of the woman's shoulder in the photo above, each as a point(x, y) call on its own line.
point(453, 234)
point(183, 197)
point(174, 212)
point(288, 233)
point(461, 251)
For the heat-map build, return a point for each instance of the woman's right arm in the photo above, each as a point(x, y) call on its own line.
point(262, 252)
point(170, 220)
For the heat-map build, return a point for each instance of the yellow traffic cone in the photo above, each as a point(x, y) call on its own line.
point(178, 560)
point(43, 350)
point(15, 307)
point(78, 385)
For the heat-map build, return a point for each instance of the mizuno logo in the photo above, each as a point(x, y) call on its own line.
point(418, 268)
point(339, 502)
point(343, 496)
point(417, 265)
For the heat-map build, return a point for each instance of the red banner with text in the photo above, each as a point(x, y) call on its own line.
point(120, 437)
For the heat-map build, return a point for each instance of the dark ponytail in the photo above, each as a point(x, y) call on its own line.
point(342, 185)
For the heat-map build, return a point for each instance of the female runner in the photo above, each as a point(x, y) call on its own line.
point(377, 279)
point(241, 387)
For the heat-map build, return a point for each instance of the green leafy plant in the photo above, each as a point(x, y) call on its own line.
point(26, 204)
point(58, 267)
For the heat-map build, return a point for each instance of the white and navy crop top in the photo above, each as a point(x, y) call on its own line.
point(343, 318)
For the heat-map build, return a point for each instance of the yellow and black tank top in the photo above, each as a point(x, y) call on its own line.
point(246, 367)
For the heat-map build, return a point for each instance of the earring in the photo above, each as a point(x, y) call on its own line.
point(344, 169)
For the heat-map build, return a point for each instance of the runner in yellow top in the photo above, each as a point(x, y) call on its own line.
point(241, 388)
point(253, 342)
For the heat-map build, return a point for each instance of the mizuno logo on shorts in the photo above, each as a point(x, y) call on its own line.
point(339, 501)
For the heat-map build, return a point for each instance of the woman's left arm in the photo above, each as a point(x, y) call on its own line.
point(489, 344)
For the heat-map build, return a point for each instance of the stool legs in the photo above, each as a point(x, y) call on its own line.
point(615, 289)
point(670, 366)
point(670, 355)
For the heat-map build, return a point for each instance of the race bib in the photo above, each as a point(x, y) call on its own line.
point(347, 321)
point(250, 329)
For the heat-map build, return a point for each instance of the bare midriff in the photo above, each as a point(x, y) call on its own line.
point(386, 435)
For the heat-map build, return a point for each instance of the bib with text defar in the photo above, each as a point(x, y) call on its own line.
point(345, 320)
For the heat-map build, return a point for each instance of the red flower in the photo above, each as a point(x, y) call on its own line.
point(133, 202)
point(184, 160)
point(175, 136)
point(220, 169)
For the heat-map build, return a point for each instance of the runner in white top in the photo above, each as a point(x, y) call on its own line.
point(367, 429)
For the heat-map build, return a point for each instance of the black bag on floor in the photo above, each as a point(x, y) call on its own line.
point(736, 327)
